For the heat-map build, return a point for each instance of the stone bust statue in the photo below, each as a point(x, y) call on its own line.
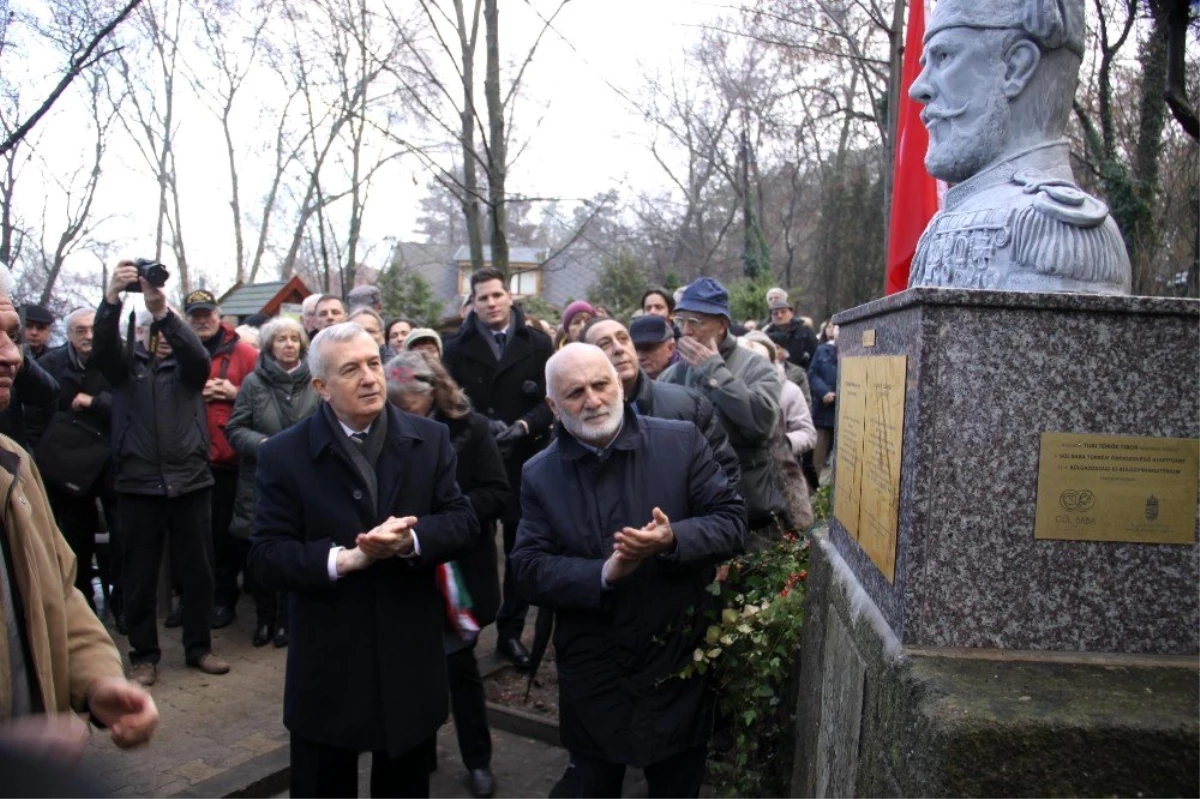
point(997, 82)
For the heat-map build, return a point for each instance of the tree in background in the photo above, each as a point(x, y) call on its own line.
point(409, 294)
point(622, 281)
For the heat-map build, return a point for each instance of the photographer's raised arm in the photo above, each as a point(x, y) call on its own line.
point(107, 351)
point(189, 352)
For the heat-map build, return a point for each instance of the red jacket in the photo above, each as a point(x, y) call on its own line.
point(233, 360)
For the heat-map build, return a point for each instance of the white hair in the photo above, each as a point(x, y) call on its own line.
point(568, 354)
point(340, 333)
point(280, 324)
point(75, 314)
point(309, 304)
point(144, 318)
point(247, 334)
point(366, 310)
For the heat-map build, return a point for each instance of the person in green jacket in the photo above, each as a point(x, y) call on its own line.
point(274, 397)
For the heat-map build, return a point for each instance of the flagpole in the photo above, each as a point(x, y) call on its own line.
point(895, 71)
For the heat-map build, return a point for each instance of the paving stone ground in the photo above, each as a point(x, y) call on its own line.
point(212, 725)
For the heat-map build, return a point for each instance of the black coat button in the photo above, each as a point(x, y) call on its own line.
point(357, 494)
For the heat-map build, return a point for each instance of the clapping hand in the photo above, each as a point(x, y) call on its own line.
point(633, 545)
point(393, 537)
point(219, 389)
point(653, 539)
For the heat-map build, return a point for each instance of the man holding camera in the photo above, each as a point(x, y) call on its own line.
point(160, 442)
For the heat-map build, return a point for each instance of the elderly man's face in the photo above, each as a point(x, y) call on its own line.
point(204, 322)
point(705, 328)
point(613, 339)
point(368, 323)
point(37, 334)
point(587, 398)
point(966, 112)
point(354, 384)
point(330, 312)
point(10, 353)
point(655, 358)
point(79, 333)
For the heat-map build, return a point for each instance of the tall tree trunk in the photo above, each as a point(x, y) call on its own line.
point(497, 154)
point(469, 191)
point(235, 202)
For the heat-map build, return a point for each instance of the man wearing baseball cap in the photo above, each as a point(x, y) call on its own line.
point(231, 360)
point(654, 339)
point(744, 388)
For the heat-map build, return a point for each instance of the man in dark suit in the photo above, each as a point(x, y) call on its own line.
point(501, 363)
point(356, 506)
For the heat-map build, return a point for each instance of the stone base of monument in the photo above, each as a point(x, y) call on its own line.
point(1006, 601)
point(879, 719)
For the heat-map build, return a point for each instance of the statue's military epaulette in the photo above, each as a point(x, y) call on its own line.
point(1064, 231)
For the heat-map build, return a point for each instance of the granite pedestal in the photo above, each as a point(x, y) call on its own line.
point(891, 676)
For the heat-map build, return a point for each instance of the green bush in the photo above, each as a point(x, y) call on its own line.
point(749, 652)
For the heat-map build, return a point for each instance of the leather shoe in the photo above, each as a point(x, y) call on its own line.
point(281, 638)
point(174, 617)
point(210, 664)
point(144, 674)
point(262, 634)
point(483, 784)
point(221, 617)
point(515, 651)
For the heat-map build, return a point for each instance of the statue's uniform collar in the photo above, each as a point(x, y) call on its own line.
point(1051, 157)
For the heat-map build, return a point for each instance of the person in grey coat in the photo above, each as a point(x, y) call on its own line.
point(744, 388)
point(276, 395)
point(624, 519)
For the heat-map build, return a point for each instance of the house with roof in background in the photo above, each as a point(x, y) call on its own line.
point(268, 299)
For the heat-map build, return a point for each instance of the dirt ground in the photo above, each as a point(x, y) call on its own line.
point(507, 687)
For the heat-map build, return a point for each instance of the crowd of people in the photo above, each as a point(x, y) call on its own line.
point(355, 474)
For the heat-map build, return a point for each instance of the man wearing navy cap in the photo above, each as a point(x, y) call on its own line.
point(742, 385)
point(35, 330)
point(654, 339)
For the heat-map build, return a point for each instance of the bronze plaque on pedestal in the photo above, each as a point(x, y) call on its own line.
point(870, 432)
point(1136, 489)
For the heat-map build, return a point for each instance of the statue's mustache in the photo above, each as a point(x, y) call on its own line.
point(931, 114)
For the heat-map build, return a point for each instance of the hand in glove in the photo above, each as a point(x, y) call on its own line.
point(511, 434)
point(497, 427)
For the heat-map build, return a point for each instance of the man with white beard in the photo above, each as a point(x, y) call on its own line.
point(624, 519)
point(997, 81)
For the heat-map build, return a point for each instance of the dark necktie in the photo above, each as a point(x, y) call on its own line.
point(500, 339)
point(359, 438)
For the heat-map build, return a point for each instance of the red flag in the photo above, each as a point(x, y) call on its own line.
point(914, 192)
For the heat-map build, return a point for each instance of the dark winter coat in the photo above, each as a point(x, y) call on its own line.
point(670, 401)
point(34, 392)
point(233, 360)
point(823, 377)
point(366, 667)
point(270, 401)
point(799, 341)
point(159, 424)
point(617, 648)
point(75, 378)
point(509, 389)
point(483, 479)
point(744, 387)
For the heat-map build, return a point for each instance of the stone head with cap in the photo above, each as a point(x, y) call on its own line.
point(997, 78)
